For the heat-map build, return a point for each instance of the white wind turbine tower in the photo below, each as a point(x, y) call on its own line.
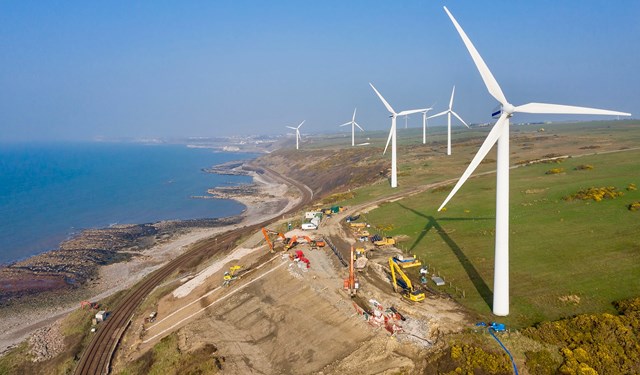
point(424, 125)
point(500, 134)
point(392, 136)
point(297, 129)
point(353, 124)
point(449, 112)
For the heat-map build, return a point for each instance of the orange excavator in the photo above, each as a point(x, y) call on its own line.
point(294, 241)
point(351, 283)
point(266, 233)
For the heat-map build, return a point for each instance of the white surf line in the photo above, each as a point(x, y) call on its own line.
point(205, 296)
point(212, 303)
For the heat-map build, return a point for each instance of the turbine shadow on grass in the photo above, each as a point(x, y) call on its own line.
point(477, 280)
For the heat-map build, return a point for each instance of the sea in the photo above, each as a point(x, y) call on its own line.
point(52, 191)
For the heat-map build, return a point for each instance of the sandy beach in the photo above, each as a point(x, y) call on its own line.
point(266, 198)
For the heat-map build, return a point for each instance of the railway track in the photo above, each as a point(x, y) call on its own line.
point(97, 356)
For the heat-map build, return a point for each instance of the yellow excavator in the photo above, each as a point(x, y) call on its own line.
point(229, 276)
point(415, 295)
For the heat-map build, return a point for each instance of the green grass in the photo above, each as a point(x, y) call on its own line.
point(167, 358)
point(557, 248)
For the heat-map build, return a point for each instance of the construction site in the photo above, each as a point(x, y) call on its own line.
point(301, 301)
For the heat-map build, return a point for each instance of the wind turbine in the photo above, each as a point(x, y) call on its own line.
point(449, 112)
point(392, 136)
point(297, 129)
point(353, 124)
point(500, 134)
point(424, 125)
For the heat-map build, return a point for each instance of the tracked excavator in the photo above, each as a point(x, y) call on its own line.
point(408, 292)
point(266, 232)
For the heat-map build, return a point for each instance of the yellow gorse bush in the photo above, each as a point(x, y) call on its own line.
point(595, 193)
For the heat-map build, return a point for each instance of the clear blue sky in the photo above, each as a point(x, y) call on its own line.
point(78, 70)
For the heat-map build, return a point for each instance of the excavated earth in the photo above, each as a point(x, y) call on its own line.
point(279, 317)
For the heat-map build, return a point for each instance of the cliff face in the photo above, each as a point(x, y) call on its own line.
point(327, 171)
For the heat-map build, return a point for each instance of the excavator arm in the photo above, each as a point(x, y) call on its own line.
point(409, 293)
point(266, 237)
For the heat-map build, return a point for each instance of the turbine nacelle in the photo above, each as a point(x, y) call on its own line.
point(508, 108)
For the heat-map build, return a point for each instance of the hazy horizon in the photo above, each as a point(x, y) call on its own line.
point(76, 71)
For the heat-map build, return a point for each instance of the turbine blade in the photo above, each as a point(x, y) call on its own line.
point(359, 127)
point(565, 109)
point(354, 115)
point(346, 123)
point(301, 124)
point(460, 118)
point(388, 140)
point(292, 128)
point(482, 152)
point(489, 81)
point(383, 101)
point(438, 114)
point(453, 92)
point(410, 112)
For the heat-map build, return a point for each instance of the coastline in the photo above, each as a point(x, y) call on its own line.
point(136, 251)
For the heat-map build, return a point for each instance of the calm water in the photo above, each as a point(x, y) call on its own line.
point(50, 191)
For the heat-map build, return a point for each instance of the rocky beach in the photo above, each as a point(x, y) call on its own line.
point(99, 262)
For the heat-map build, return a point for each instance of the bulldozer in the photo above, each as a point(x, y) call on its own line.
point(408, 292)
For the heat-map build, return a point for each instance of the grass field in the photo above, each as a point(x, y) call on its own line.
point(559, 250)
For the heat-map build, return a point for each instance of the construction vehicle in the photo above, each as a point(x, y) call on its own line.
point(294, 241)
point(301, 258)
point(407, 262)
point(266, 232)
point(358, 225)
point(385, 241)
point(229, 276)
point(351, 283)
point(408, 292)
point(315, 244)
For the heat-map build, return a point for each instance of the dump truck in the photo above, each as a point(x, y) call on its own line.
point(408, 292)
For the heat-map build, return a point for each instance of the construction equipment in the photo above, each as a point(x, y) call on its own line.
point(408, 292)
point(315, 244)
point(351, 283)
point(266, 232)
point(301, 258)
point(230, 275)
point(294, 241)
point(385, 241)
point(407, 262)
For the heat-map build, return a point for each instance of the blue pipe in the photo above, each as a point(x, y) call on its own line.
point(491, 332)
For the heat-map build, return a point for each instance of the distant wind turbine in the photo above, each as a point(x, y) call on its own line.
point(297, 129)
point(424, 125)
point(500, 134)
point(392, 135)
point(448, 112)
point(353, 124)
